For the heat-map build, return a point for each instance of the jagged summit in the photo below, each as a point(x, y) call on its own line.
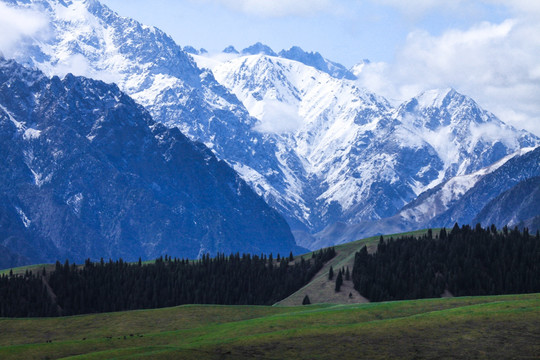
point(318, 62)
point(230, 50)
point(258, 48)
point(191, 50)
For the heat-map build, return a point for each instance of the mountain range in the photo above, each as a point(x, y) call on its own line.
point(334, 159)
point(91, 175)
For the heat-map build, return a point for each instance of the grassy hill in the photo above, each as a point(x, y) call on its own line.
point(322, 290)
point(499, 327)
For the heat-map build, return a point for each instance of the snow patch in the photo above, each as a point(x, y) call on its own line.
point(433, 98)
point(19, 125)
point(31, 134)
point(75, 202)
point(23, 217)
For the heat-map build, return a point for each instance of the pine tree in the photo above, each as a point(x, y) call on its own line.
point(347, 274)
point(331, 273)
point(339, 281)
point(306, 300)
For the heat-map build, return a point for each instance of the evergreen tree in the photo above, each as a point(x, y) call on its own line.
point(306, 300)
point(331, 273)
point(117, 285)
point(466, 261)
point(339, 281)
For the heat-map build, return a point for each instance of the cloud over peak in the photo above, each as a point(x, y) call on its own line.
point(16, 25)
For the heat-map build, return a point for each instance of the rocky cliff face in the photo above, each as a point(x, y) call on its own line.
point(88, 173)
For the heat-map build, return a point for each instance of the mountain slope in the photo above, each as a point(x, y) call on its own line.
point(467, 208)
point(520, 203)
point(442, 197)
point(365, 158)
point(92, 175)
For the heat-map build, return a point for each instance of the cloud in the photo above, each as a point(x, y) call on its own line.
point(522, 7)
point(78, 65)
point(417, 8)
point(276, 8)
point(496, 64)
point(18, 24)
point(279, 118)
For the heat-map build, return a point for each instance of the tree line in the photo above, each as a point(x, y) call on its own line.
point(465, 262)
point(118, 286)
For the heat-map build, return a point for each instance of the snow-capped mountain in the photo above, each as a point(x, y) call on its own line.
point(298, 129)
point(469, 206)
point(364, 159)
point(316, 60)
point(88, 173)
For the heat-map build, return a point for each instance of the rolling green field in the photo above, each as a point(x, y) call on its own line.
point(498, 327)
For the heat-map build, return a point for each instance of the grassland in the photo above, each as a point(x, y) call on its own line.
point(321, 290)
point(499, 327)
point(34, 268)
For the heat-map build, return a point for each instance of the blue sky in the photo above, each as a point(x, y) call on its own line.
point(487, 49)
point(346, 31)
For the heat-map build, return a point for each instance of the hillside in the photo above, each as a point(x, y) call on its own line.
point(438, 328)
point(322, 290)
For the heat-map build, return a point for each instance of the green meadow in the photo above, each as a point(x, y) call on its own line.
point(497, 327)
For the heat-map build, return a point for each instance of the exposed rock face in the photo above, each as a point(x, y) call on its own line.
point(88, 173)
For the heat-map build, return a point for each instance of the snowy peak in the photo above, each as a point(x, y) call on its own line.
point(435, 98)
point(357, 69)
point(466, 137)
point(258, 48)
point(316, 60)
point(311, 59)
point(230, 50)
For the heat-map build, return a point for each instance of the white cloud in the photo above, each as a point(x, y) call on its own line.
point(78, 65)
point(420, 7)
point(496, 64)
point(522, 7)
point(18, 24)
point(277, 8)
point(279, 118)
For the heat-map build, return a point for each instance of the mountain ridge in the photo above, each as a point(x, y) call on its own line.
point(92, 175)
